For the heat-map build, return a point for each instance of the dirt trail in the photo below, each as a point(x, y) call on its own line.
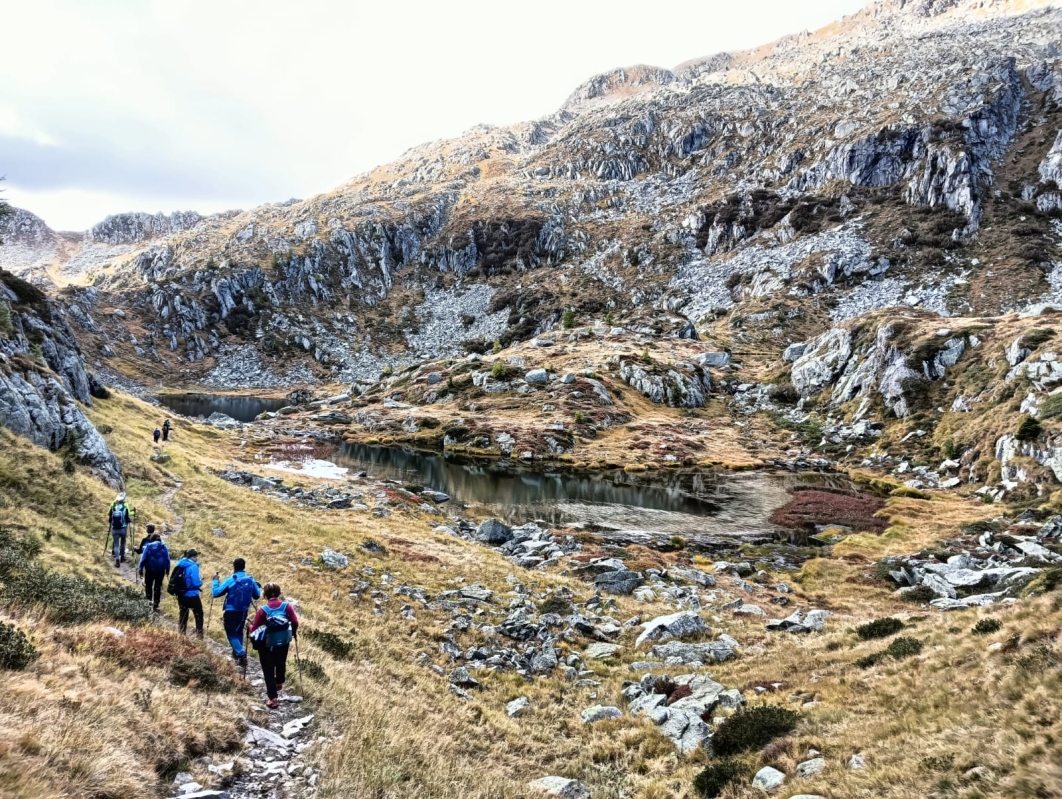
point(270, 757)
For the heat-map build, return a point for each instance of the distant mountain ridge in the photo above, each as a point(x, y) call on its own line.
point(788, 187)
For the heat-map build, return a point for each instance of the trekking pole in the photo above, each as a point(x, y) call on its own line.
point(211, 613)
point(298, 663)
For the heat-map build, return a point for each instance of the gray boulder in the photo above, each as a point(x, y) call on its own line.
point(694, 654)
point(516, 708)
point(676, 625)
point(809, 768)
point(494, 532)
point(600, 713)
point(537, 376)
point(331, 559)
point(622, 582)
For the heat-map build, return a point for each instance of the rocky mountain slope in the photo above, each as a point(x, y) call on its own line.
point(907, 155)
point(813, 213)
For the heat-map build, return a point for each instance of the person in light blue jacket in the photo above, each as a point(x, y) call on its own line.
point(188, 596)
point(239, 591)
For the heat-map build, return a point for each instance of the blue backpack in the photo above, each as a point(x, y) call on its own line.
point(241, 593)
point(157, 557)
point(277, 625)
point(118, 517)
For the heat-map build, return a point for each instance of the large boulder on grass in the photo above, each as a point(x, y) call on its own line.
point(676, 625)
point(494, 532)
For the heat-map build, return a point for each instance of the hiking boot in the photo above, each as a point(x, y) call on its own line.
point(117, 563)
point(272, 704)
point(242, 663)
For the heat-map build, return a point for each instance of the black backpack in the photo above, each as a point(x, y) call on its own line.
point(177, 586)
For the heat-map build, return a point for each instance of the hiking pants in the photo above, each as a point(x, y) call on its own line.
point(234, 623)
point(195, 605)
point(153, 586)
point(118, 548)
point(274, 667)
point(165, 434)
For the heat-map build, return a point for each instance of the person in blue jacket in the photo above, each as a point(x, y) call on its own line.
point(154, 566)
point(189, 600)
point(239, 591)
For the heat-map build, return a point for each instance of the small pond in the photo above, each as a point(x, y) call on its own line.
point(703, 506)
point(240, 408)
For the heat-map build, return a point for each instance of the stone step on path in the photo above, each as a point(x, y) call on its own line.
point(273, 765)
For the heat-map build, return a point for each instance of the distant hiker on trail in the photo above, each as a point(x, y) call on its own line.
point(154, 566)
point(280, 624)
point(157, 434)
point(166, 430)
point(185, 584)
point(238, 590)
point(119, 517)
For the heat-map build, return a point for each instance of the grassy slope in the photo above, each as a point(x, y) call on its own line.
point(403, 734)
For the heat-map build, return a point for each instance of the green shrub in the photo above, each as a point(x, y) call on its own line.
point(499, 370)
point(16, 651)
point(920, 595)
point(910, 493)
point(979, 528)
point(872, 659)
point(987, 626)
point(1028, 429)
point(199, 671)
point(1034, 338)
point(568, 320)
point(330, 643)
point(313, 670)
point(556, 604)
point(645, 356)
point(752, 728)
point(74, 600)
point(714, 778)
point(1052, 407)
point(903, 647)
point(879, 628)
point(581, 418)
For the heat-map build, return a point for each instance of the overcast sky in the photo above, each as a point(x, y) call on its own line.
point(136, 105)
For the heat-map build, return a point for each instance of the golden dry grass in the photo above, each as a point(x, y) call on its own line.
point(400, 733)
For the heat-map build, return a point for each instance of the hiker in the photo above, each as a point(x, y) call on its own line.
point(166, 430)
point(156, 435)
point(238, 590)
point(280, 624)
point(119, 517)
point(154, 566)
point(185, 584)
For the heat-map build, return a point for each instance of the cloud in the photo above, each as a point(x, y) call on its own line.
point(236, 104)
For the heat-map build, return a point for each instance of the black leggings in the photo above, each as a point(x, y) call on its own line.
point(195, 605)
point(153, 586)
point(274, 667)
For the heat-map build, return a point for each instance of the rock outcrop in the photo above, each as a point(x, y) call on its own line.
point(43, 378)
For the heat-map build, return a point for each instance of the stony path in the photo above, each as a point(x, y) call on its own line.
point(271, 766)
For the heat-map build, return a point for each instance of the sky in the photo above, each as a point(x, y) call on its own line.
point(209, 105)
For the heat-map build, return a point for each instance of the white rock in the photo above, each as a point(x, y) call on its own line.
point(767, 779)
point(811, 767)
point(516, 708)
point(560, 786)
point(677, 625)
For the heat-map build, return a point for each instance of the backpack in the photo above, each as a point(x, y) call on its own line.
point(177, 586)
point(277, 625)
point(241, 593)
point(158, 557)
point(118, 517)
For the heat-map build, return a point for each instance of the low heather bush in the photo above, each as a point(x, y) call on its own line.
point(986, 626)
point(16, 651)
point(812, 507)
point(879, 628)
point(715, 778)
point(330, 643)
point(752, 728)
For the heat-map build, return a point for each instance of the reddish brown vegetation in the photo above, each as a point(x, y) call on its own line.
point(816, 506)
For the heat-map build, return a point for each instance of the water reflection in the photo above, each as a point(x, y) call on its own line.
point(243, 409)
point(698, 505)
